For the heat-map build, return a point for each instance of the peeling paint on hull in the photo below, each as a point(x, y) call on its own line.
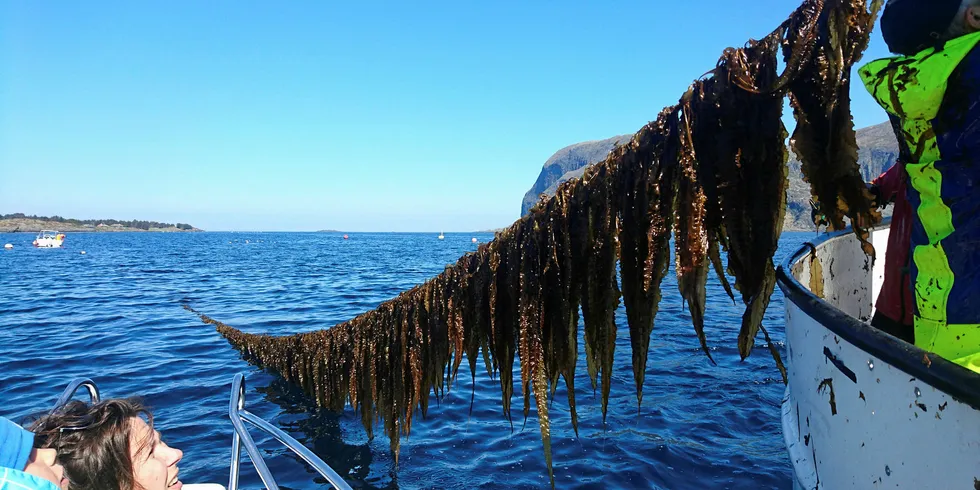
point(861, 409)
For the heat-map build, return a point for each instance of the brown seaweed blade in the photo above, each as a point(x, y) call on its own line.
point(477, 311)
point(715, 240)
point(705, 127)
point(503, 328)
point(824, 139)
point(428, 353)
point(417, 349)
point(751, 163)
point(533, 372)
point(455, 287)
point(432, 314)
point(560, 327)
point(644, 236)
point(580, 249)
point(690, 233)
point(600, 292)
point(774, 352)
point(663, 195)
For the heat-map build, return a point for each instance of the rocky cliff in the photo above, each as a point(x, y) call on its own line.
point(568, 163)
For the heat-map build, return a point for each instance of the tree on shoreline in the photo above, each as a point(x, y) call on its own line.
point(138, 224)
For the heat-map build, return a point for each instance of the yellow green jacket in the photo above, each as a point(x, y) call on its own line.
point(936, 97)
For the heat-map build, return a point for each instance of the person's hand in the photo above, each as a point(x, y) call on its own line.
point(876, 199)
point(816, 215)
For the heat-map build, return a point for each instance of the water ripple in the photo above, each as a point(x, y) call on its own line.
point(115, 315)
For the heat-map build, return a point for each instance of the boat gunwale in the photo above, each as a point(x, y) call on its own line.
point(952, 379)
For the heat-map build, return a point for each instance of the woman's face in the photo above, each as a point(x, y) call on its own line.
point(154, 462)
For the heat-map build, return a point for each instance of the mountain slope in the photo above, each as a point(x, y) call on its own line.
point(878, 152)
point(568, 163)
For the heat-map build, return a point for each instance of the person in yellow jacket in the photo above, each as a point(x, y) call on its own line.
point(932, 92)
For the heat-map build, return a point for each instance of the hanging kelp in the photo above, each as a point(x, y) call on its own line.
point(823, 44)
point(690, 232)
point(752, 174)
point(711, 172)
point(594, 237)
point(645, 193)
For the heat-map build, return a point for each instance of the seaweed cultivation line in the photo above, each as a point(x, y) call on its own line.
point(710, 171)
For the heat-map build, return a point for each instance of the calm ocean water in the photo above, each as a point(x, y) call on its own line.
point(114, 315)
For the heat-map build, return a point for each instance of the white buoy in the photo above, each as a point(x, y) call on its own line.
point(8, 246)
point(474, 239)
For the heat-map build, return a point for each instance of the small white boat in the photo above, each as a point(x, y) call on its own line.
point(863, 409)
point(441, 236)
point(49, 239)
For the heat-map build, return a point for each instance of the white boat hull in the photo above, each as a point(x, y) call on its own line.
point(48, 243)
point(864, 410)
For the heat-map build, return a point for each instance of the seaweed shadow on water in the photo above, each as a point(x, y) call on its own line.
point(320, 430)
point(710, 171)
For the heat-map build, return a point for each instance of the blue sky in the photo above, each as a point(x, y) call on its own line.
point(359, 116)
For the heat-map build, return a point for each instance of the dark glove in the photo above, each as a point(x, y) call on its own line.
point(817, 216)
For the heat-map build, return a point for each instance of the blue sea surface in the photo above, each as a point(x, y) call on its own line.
point(114, 315)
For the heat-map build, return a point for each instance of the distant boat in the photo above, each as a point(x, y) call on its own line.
point(49, 239)
point(441, 236)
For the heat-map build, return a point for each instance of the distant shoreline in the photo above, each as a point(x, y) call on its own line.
point(66, 229)
point(792, 228)
point(29, 225)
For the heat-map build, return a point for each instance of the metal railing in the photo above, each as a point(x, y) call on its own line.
point(72, 388)
point(238, 415)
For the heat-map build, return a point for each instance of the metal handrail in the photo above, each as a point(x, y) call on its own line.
point(238, 414)
point(69, 393)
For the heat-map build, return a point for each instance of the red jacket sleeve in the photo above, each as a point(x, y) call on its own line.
point(890, 181)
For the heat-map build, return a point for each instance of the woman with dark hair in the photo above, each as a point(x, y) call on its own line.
point(110, 445)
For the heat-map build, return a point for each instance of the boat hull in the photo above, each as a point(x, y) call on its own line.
point(863, 409)
point(48, 243)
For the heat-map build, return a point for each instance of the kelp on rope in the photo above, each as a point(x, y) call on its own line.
point(711, 172)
